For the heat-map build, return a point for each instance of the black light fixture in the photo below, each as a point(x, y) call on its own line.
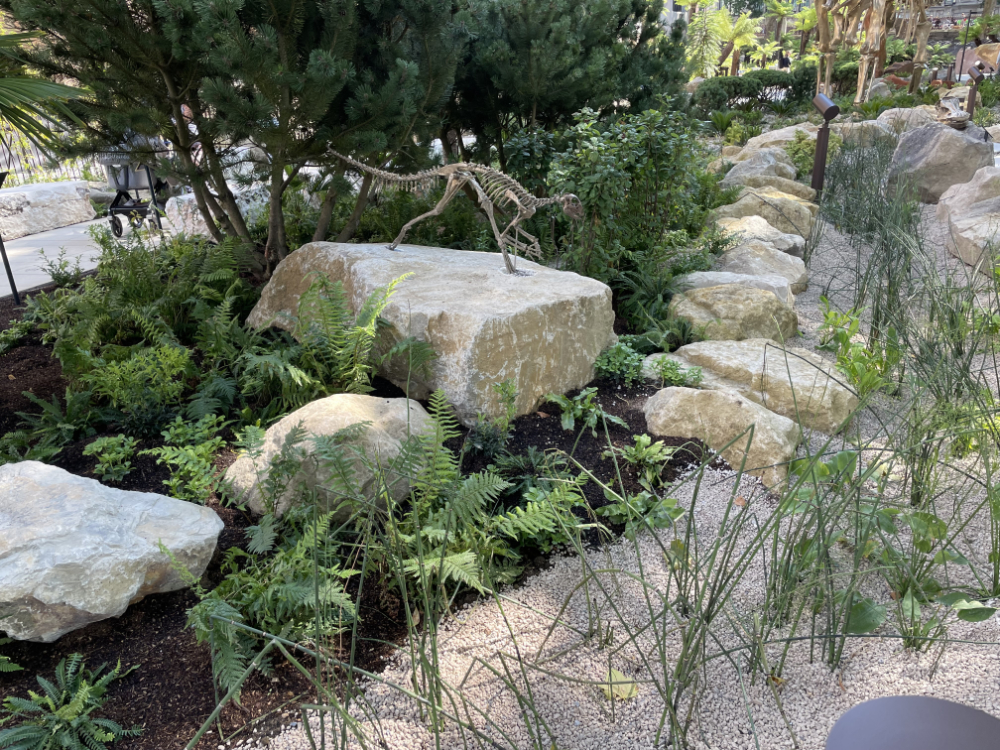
point(3, 252)
point(976, 74)
point(825, 106)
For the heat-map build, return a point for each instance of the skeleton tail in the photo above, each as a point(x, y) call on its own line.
point(384, 178)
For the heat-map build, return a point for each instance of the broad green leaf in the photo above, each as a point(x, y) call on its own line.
point(865, 617)
point(911, 606)
point(967, 609)
point(619, 686)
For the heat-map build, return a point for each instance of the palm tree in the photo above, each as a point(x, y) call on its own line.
point(805, 22)
point(27, 103)
point(762, 53)
point(704, 38)
point(779, 11)
point(736, 34)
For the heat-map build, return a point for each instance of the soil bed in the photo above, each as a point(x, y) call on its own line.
point(172, 692)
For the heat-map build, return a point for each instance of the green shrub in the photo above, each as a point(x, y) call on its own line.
point(642, 511)
point(803, 83)
point(670, 373)
point(60, 270)
point(726, 92)
point(774, 83)
point(620, 363)
point(582, 408)
point(489, 436)
point(188, 452)
point(114, 456)
point(61, 715)
point(14, 335)
point(989, 90)
point(802, 151)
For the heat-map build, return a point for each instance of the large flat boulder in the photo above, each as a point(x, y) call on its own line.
point(984, 185)
point(781, 184)
point(73, 551)
point(788, 380)
point(973, 233)
point(904, 119)
point(781, 138)
point(865, 133)
point(184, 217)
point(756, 228)
point(758, 163)
point(376, 430)
point(777, 285)
point(734, 313)
point(756, 258)
point(30, 209)
point(931, 159)
point(738, 154)
point(541, 328)
point(784, 212)
point(745, 433)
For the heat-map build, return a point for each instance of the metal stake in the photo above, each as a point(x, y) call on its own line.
point(829, 110)
point(3, 252)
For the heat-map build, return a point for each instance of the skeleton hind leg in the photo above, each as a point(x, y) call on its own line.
point(455, 183)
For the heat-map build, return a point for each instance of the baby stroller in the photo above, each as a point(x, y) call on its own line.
point(130, 179)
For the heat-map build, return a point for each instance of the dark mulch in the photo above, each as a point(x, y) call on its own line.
point(172, 693)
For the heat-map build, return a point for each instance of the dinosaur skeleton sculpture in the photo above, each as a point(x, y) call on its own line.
point(878, 15)
point(491, 187)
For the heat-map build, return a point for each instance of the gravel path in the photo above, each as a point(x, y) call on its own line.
point(536, 638)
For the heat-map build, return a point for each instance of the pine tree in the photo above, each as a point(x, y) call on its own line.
point(290, 76)
point(533, 63)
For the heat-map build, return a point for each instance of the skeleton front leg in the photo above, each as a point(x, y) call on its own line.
point(487, 205)
point(455, 183)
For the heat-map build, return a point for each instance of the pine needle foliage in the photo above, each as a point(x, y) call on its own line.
point(61, 715)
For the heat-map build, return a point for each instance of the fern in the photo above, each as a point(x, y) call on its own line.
point(6, 665)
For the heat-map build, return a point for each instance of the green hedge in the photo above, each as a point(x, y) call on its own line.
point(725, 92)
point(772, 82)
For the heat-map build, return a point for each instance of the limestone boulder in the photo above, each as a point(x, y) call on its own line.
point(994, 131)
point(777, 153)
point(788, 380)
point(931, 159)
point(879, 89)
point(183, 216)
point(864, 133)
point(30, 209)
point(371, 433)
point(759, 163)
point(784, 212)
point(973, 234)
point(781, 138)
point(756, 258)
point(729, 152)
point(541, 328)
point(73, 551)
point(904, 119)
point(781, 184)
point(984, 185)
point(747, 435)
point(778, 285)
point(734, 313)
point(962, 94)
point(751, 228)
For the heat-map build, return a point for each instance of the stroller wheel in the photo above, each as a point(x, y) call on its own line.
point(116, 226)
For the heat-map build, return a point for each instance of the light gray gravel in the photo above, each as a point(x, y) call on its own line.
point(738, 709)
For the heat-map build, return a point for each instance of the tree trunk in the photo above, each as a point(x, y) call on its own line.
point(725, 53)
point(329, 201)
point(803, 43)
point(276, 248)
point(735, 68)
point(989, 6)
point(359, 207)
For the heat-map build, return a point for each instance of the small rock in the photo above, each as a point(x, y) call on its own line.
point(733, 313)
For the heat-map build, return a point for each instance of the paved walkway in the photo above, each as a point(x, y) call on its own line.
point(26, 261)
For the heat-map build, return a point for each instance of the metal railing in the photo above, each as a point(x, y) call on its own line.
point(25, 163)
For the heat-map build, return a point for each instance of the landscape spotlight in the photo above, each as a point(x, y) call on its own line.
point(976, 74)
point(825, 107)
point(829, 110)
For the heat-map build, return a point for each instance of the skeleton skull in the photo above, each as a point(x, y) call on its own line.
point(572, 206)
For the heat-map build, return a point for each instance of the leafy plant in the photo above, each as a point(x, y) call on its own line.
point(989, 91)
point(60, 716)
point(642, 511)
point(620, 363)
point(582, 407)
point(802, 151)
point(670, 373)
point(6, 665)
point(985, 117)
point(56, 426)
point(188, 452)
point(62, 273)
point(489, 436)
point(647, 457)
point(14, 334)
point(114, 456)
point(721, 120)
